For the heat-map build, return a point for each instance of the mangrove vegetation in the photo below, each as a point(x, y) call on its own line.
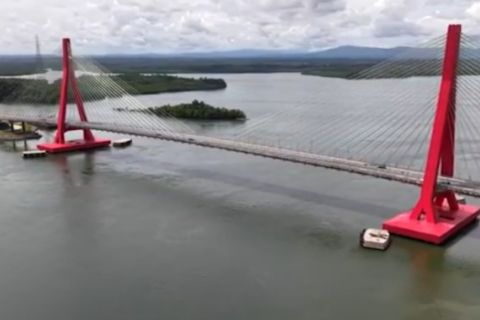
point(196, 110)
point(98, 87)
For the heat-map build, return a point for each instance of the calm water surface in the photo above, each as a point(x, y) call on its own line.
point(168, 231)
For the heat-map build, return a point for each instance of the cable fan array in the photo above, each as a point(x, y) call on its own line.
point(382, 115)
point(467, 113)
point(112, 100)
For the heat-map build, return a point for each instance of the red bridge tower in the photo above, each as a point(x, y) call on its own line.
point(60, 144)
point(438, 215)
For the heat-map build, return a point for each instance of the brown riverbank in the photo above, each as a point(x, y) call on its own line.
point(18, 136)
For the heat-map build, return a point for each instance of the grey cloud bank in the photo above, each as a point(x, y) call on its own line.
point(158, 26)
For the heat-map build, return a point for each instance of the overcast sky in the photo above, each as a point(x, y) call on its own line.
point(129, 26)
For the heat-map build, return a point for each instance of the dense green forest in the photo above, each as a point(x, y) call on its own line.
point(141, 84)
point(17, 65)
point(196, 110)
point(346, 71)
point(131, 66)
point(167, 64)
point(28, 91)
point(225, 65)
point(99, 87)
point(391, 70)
point(325, 67)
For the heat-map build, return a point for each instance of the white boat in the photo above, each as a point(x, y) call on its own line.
point(122, 142)
point(460, 199)
point(34, 154)
point(378, 239)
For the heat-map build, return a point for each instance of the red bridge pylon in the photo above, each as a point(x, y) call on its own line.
point(438, 215)
point(68, 79)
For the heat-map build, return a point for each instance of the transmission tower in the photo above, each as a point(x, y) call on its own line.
point(39, 64)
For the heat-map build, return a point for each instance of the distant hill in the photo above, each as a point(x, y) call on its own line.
point(339, 62)
point(354, 52)
point(342, 52)
point(337, 53)
point(244, 53)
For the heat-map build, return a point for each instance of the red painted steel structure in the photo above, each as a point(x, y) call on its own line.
point(60, 144)
point(437, 215)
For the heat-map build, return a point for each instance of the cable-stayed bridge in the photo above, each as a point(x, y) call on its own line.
point(412, 119)
point(402, 175)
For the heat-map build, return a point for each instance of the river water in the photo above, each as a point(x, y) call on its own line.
point(169, 231)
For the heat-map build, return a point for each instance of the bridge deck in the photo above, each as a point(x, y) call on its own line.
point(389, 173)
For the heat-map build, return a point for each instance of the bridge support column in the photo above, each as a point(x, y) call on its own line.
point(437, 215)
point(68, 79)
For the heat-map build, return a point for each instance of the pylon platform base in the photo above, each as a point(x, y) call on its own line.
point(74, 145)
point(448, 224)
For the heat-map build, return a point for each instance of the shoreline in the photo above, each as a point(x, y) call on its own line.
point(6, 136)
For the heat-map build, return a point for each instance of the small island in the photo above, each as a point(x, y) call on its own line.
point(196, 110)
point(95, 87)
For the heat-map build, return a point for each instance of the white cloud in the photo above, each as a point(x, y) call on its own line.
point(474, 11)
point(100, 26)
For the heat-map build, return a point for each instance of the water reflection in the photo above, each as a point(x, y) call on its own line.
point(83, 163)
point(79, 200)
point(427, 278)
point(430, 290)
point(14, 146)
point(428, 262)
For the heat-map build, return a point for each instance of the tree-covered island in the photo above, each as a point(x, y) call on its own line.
point(98, 87)
point(196, 110)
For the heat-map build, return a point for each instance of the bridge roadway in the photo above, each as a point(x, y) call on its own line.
point(460, 186)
